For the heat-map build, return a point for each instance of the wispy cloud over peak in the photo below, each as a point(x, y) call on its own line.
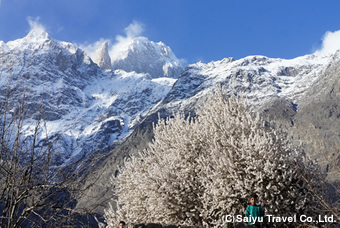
point(91, 49)
point(37, 30)
point(133, 30)
point(330, 43)
point(35, 24)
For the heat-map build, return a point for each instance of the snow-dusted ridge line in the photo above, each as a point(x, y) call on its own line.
point(259, 78)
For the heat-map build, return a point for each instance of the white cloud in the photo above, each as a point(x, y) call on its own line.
point(330, 43)
point(135, 29)
point(35, 25)
point(132, 31)
point(91, 49)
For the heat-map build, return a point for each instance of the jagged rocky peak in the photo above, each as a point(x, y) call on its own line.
point(144, 56)
point(102, 57)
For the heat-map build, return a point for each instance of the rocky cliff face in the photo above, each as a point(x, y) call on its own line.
point(102, 58)
point(317, 121)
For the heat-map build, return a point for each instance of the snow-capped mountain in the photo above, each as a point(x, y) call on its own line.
point(89, 107)
point(144, 56)
point(258, 78)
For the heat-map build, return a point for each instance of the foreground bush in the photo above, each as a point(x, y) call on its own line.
point(197, 170)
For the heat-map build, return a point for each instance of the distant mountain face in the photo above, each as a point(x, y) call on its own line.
point(258, 78)
point(89, 107)
point(144, 56)
point(94, 103)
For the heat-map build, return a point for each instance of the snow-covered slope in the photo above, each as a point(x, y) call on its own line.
point(90, 108)
point(144, 56)
point(259, 78)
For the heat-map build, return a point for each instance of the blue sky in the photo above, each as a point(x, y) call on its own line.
point(194, 29)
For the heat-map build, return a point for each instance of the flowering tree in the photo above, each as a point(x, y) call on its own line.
point(196, 170)
point(248, 155)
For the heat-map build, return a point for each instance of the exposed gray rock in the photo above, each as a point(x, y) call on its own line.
point(102, 57)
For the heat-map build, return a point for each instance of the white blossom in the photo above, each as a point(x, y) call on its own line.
point(198, 169)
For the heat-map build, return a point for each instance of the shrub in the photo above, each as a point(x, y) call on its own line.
point(198, 169)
